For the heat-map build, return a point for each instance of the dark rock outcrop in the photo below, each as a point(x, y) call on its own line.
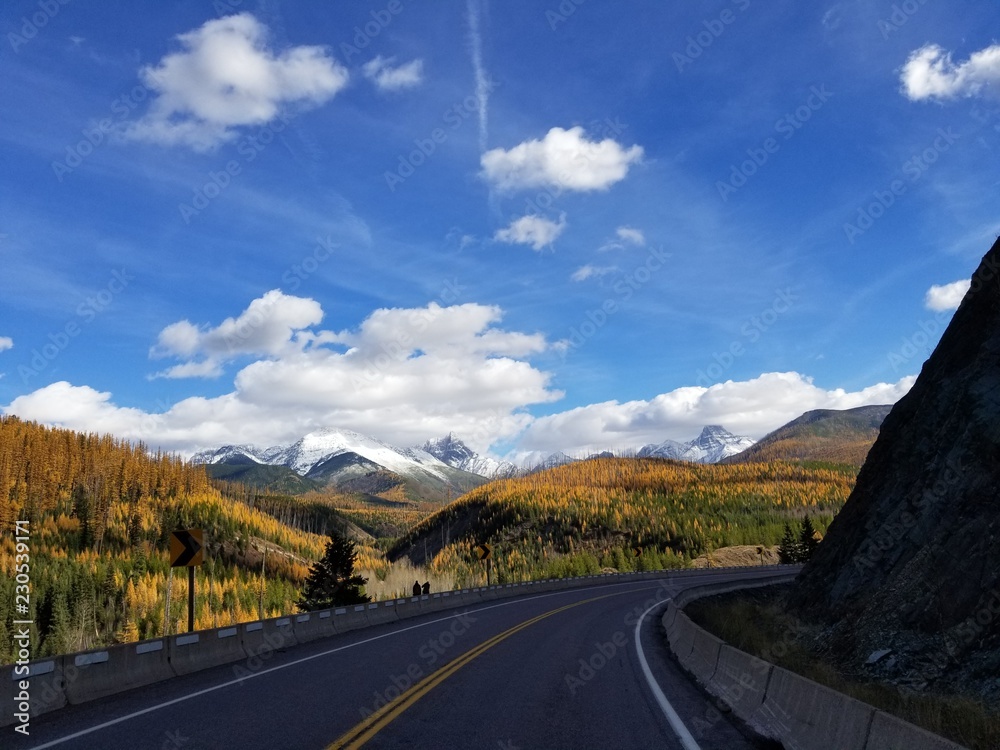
point(912, 562)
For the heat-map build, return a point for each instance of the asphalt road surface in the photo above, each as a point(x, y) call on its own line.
point(555, 670)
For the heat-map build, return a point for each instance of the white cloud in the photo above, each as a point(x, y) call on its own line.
point(403, 375)
point(563, 160)
point(6, 342)
point(946, 296)
point(533, 230)
point(752, 407)
point(585, 272)
point(273, 324)
point(930, 73)
point(390, 77)
point(226, 76)
point(630, 235)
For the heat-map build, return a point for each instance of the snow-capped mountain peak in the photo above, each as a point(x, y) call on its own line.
point(453, 452)
point(712, 445)
point(229, 454)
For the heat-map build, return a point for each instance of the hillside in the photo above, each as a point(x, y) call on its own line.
point(912, 563)
point(825, 435)
point(274, 479)
point(592, 514)
point(100, 512)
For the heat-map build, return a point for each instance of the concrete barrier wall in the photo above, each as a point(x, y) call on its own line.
point(740, 680)
point(808, 715)
point(103, 672)
point(704, 655)
point(46, 689)
point(311, 626)
point(193, 652)
point(781, 705)
point(890, 733)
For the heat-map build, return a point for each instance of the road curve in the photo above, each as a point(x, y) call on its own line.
point(556, 670)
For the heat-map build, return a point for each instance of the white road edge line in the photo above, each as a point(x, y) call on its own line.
point(675, 721)
point(261, 673)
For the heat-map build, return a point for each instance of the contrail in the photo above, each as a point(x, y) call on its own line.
point(482, 87)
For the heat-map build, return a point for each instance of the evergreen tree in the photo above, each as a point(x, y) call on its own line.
point(788, 550)
point(808, 541)
point(331, 581)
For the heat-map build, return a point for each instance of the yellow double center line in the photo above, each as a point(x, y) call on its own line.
point(376, 722)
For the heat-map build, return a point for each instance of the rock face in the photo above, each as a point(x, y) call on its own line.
point(912, 562)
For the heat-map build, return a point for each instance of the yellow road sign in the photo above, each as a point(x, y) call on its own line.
point(187, 548)
point(484, 551)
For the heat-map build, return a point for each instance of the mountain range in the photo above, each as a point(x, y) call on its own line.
point(348, 461)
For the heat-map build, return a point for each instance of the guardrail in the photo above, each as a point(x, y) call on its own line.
point(781, 705)
point(50, 684)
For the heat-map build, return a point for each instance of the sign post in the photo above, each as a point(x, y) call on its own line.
point(485, 552)
point(187, 550)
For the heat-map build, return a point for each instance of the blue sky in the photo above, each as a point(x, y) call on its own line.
point(542, 226)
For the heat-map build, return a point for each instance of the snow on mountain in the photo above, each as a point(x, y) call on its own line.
point(712, 445)
point(310, 450)
point(666, 449)
point(230, 454)
point(458, 455)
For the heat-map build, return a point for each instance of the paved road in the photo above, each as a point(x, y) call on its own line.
point(555, 670)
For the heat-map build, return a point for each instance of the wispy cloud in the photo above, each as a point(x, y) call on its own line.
point(533, 230)
point(585, 272)
point(476, 9)
point(388, 76)
point(6, 342)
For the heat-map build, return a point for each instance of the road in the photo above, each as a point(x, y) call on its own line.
point(554, 670)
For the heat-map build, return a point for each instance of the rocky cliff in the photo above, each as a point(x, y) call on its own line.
point(911, 565)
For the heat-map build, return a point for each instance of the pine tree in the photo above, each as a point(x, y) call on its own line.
point(788, 550)
point(331, 581)
point(807, 540)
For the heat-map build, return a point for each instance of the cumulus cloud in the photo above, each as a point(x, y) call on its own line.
point(402, 375)
point(6, 342)
point(585, 272)
point(946, 296)
point(930, 73)
point(752, 407)
point(227, 76)
point(388, 76)
point(562, 160)
point(534, 230)
point(270, 325)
